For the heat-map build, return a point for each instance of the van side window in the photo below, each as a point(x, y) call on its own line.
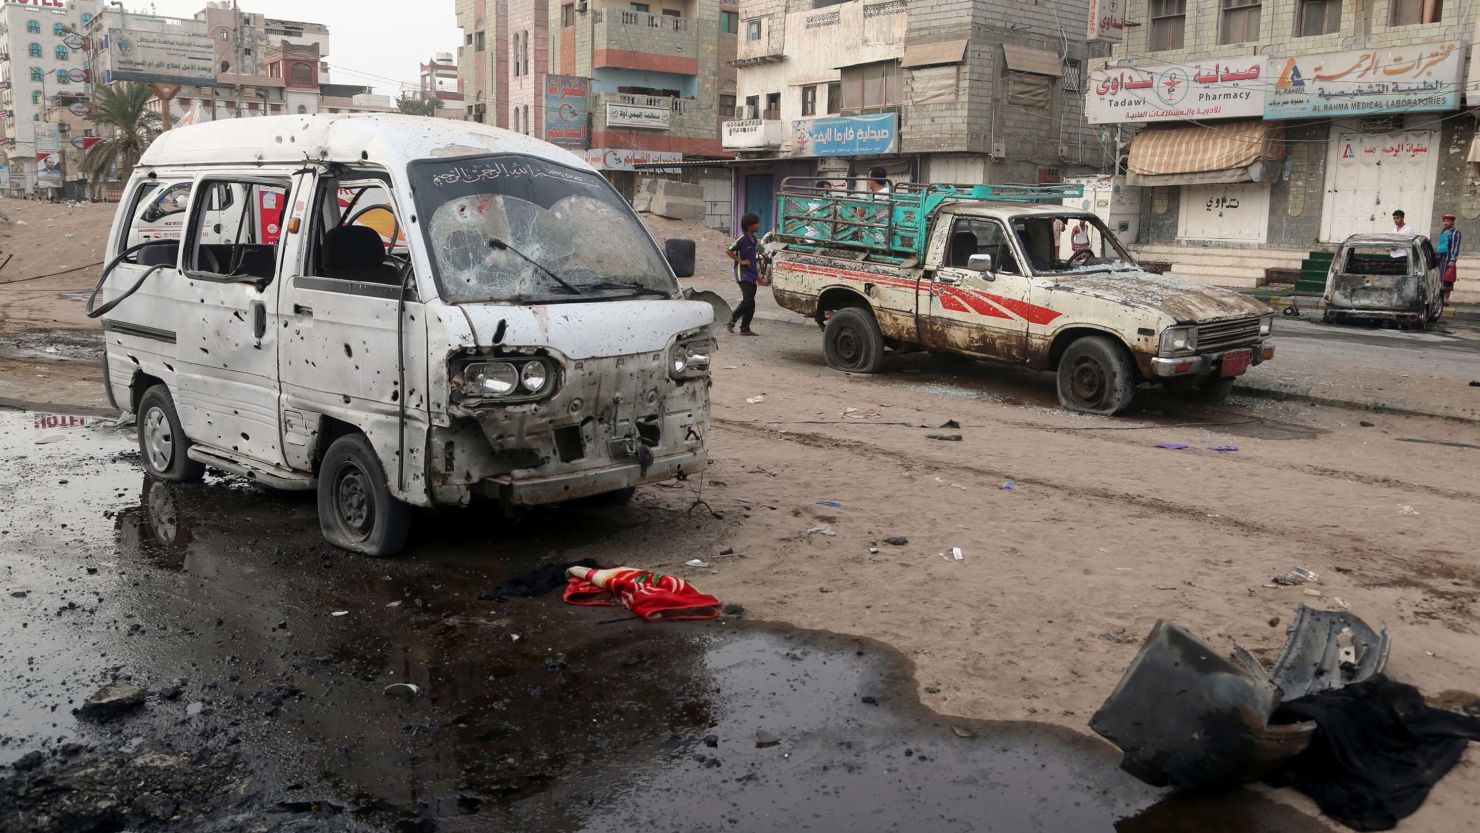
point(358, 235)
point(157, 218)
point(237, 229)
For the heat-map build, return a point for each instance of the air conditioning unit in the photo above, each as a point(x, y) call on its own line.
point(582, 6)
point(749, 111)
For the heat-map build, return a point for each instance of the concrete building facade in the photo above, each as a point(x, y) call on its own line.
point(942, 90)
point(1263, 132)
point(440, 80)
point(45, 81)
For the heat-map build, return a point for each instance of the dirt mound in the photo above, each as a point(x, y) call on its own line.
point(711, 260)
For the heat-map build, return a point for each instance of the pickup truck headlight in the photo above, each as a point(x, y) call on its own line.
point(690, 359)
point(1178, 340)
point(513, 379)
point(1266, 326)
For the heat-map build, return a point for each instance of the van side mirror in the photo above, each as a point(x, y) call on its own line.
point(680, 255)
point(979, 263)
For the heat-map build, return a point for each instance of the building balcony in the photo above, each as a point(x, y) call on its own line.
point(651, 42)
point(648, 113)
point(752, 134)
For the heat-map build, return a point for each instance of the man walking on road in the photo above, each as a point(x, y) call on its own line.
point(1448, 251)
point(746, 252)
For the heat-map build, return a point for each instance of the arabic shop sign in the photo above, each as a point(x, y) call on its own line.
point(1212, 90)
point(1409, 79)
point(1106, 20)
point(871, 135)
point(637, 115)
point(565, 110)
point(160, 57)
point(613, 159)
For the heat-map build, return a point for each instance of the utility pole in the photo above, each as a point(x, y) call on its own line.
point(236, 23)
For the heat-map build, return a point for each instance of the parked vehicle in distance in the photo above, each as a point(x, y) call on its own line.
point(988, 271)
point(1391, 278)
point(397, 312)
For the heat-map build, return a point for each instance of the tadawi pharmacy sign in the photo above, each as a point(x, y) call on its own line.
point(1214, 90)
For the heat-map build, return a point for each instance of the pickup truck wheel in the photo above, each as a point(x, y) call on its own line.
point(356, 509)
point(162, 444)
point(1096, 377)
point(852, 341)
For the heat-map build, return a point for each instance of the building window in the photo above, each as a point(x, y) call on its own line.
point(1027, 89)
point(480, 42)
point(58, 29)
point(1240, 21)
point(773, 107)
point(63, 54)
point(726, 106)
point(568, 15)
point(62, 77)
point(86, 18)
point(34, 50)
point(729, 23)
point(753, 29)
point(38, 74)
point(36, 97)
point(641, 8)
point(1168, 22)
point(834, 98)
point(33, 27)
point(1318, 17)
point(528, 127)
point(516, 120)
point(301, 75)
point(869, 86)
point(526, 59)
point(809, 100)
point(1414, 12)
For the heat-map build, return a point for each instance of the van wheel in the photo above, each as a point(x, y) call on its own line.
point(162, 443)
point(356, 509)
point(1096, 377)
point(852, 341)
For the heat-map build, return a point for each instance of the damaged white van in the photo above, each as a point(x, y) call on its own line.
point(398, 312)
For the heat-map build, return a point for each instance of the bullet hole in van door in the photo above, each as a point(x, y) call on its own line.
point(349, 352)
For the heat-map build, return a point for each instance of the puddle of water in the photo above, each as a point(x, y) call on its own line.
point(535, 716)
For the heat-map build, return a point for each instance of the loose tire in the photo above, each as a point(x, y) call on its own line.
point(852, 341)
point(356, 509)
point(162, 443)
point(1096, 376)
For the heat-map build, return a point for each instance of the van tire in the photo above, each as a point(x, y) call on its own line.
point(163, 446)
point(852, 341)
point(357, 511)
point(1096, 376)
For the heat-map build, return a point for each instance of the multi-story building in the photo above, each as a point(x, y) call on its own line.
point(440, 81)
point(943, 90)
point(44, 71)
point(1263, 132)
point(656, 76)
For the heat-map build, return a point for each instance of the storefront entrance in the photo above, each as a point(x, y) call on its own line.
point(1371, 175)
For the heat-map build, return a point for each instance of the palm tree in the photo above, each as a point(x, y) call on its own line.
point(122, 107)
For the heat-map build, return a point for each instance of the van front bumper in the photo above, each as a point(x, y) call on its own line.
point(1161, 367)
point(515, 489)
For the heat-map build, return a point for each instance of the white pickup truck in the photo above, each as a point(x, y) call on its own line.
point(985, 271)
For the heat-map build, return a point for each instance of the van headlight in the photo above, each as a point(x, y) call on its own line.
point(514, 379)
point(1175, 340)
point(1266, 326)
point(690, 359)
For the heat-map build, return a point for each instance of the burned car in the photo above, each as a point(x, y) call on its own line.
point(1390, 278)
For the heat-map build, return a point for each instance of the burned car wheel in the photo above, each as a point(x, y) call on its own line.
point(162, 444)
point(1096, 377)
point(852, 341)
point(357, 512)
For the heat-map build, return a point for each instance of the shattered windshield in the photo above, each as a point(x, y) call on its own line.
point(1066, 244)
point(520, 229)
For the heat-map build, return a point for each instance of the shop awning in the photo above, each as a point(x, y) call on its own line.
point(1205, 154)
point(1036, 61)
point(934, 54)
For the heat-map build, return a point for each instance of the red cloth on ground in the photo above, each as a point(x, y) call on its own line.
point(651, 596)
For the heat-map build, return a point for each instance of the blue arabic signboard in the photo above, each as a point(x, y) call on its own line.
point(873, 135)
point(1405, 79)
point(566, 110)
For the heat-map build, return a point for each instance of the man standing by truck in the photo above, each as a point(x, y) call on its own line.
point(746, 253)
point(1448, 251)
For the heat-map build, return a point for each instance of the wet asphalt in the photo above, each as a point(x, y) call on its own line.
point(266, 657)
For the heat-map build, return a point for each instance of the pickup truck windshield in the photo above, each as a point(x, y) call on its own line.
point(522, 230)
point(1066, 244)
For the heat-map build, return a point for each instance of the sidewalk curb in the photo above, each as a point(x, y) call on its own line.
point(1280, 393)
